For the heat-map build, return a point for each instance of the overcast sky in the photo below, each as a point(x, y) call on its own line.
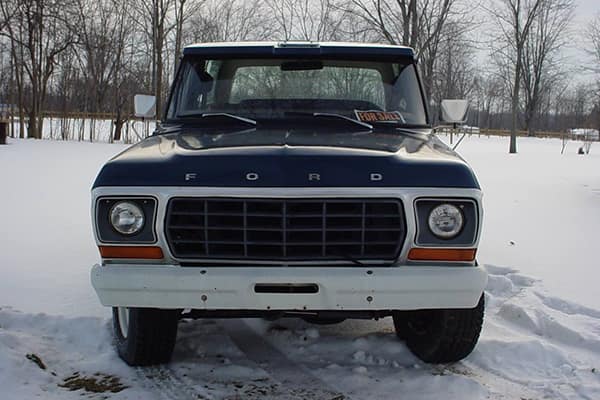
point(587, 8)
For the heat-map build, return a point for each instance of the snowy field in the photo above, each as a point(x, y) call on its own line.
point(541, 337)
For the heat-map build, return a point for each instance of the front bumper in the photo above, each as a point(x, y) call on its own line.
point(339, 288)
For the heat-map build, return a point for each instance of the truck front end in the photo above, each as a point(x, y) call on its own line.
point(291, 179)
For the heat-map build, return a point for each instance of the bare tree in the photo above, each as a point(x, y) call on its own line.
point(39, 35)
point(487, 90)
point(154, 18)
point(593, 33)
point(318, 20)
point(284, 15)
point(231, 20)
point(183, 10)
point(454, 70)
point(416, 23)
point(99, 27)
point(514, 19)
point(542, 64)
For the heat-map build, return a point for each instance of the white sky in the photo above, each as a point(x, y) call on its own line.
point(587, 8)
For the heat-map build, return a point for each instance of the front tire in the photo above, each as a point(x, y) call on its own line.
point(145, 336)
point(443, 335)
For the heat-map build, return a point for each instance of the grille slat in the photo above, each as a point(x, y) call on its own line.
point(269, 243)
point(292, 215)
point(283, 230)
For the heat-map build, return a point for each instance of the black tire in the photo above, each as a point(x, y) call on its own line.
point(401, 323)
point(443, 335)
point(150, 337)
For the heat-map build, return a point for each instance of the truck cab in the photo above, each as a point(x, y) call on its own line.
point(291, 179)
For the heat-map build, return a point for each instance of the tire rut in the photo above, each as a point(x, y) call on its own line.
point(285, 379)
point(166, 383)
point(296, 381)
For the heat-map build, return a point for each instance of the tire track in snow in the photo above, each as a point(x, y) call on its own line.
point(294, 378)
point(291, 381)
point(166, 383)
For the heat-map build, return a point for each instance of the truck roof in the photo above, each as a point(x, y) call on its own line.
point(299, 48)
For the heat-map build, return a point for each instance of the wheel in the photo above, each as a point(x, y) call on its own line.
point(401, 323)
point(145, 336)
point(442, 335)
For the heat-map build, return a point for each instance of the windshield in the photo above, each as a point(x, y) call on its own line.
point(368, 91)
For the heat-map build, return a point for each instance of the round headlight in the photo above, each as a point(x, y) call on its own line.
point(445, 221)
point(127, 218)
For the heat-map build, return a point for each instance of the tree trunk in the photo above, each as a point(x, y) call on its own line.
point(118, 129)
point(158, 93)
point(32, 124)
point(118, 126)
point(515, 108)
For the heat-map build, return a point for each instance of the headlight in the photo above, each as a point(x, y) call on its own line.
point(445, 221)
point(127, 218)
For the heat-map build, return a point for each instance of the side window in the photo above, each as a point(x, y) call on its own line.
point(197, 89)
point(406, 96)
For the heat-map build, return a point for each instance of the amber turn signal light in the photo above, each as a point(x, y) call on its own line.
point(422, 254)
point(143, 252)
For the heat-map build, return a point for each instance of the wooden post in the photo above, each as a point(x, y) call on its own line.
point(3, 127)
point(3, 131)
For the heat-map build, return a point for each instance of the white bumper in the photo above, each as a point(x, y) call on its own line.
point(339, 288)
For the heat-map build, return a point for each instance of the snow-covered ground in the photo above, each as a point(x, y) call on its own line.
point(541, 337)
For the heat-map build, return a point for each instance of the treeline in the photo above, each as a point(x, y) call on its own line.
point(506, 56)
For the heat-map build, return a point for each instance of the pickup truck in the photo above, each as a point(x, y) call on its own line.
point(291, 179)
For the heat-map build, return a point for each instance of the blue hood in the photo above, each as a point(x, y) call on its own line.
point(284, 158)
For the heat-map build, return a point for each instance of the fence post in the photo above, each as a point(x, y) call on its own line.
point(3, 131)
point(3, 126)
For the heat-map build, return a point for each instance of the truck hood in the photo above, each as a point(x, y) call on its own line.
point(288, 158)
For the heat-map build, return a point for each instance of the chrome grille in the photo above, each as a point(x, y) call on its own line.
point(285, 229)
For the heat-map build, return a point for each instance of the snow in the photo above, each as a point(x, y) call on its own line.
point(46, 241)
point(542, 211)
point(541, 335)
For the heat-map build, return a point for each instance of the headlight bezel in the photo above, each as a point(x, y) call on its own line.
point(107, 234)
point(467, 235)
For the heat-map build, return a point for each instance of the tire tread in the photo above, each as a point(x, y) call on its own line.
point(452, 333)
point(151, 336)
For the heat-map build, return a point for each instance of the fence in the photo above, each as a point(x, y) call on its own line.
point(81, 126)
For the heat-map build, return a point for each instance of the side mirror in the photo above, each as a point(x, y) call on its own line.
point(454, 112)
point(144, 106)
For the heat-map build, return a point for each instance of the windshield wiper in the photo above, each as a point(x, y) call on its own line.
point(401, 125)
point(220, 115)
point(333, 116)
